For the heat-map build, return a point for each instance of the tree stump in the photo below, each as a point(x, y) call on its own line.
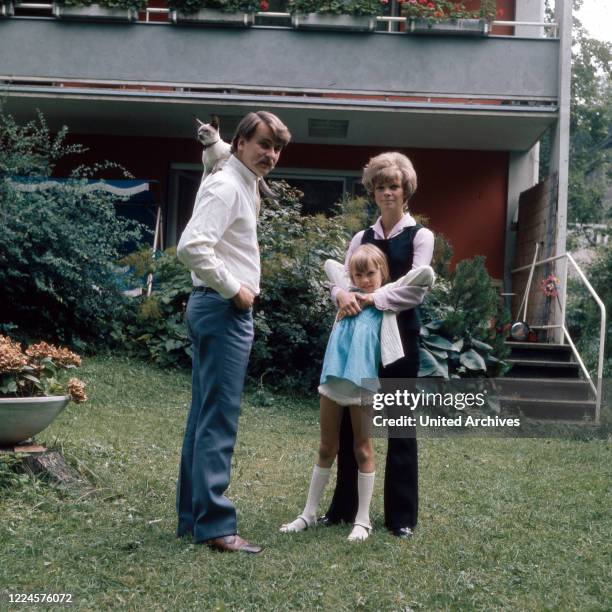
point(48, 464)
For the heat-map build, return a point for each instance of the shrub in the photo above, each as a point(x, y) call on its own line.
point(293, 314)
point(156, 330)
point(583, 315)
point(58, 247)
point(464, 325)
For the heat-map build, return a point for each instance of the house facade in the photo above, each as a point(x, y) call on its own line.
point(468, 110)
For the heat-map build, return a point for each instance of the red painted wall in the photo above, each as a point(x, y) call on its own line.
point(462, 192)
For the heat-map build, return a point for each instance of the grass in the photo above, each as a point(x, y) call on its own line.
point(504, 524)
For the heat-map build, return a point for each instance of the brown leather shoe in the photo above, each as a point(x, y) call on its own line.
point(233, 543)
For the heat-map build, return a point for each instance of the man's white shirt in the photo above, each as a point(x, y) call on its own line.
point(219, 244)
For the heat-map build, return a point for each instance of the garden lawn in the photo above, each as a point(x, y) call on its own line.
point(504, 524)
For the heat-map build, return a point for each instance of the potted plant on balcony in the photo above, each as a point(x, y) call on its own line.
point(240, 13)
point(32, 389)
point(446, 17)
point(355, 15)
point(104, 10)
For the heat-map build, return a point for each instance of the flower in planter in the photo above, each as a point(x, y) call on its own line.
point(264, 5)
point(61, 356)
point(488, 10)
point(76, 390)
point(138, 5)
point(227, 6)
point(339, 7)
point(12, 360)
point(435, 11)
point(36, 371)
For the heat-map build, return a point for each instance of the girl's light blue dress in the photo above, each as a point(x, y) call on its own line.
point(352, 358)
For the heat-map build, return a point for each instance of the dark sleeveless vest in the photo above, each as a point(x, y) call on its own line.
point(400, 252)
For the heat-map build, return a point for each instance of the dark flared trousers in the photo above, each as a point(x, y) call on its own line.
point(401, 487)
point(221, 339)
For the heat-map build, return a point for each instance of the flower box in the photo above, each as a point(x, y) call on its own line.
point(94, 11)
point(7, 9)
point(326, 21)
point(454, 27)
point(214, 17)
point(24, 417)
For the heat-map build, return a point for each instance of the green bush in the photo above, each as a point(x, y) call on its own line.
point(156, 330)
point(58, 247)
point(293, 314)
point(464, 325)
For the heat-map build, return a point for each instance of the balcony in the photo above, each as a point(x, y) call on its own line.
point(494, 92)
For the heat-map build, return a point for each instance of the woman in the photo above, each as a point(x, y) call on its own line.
point(390, 178)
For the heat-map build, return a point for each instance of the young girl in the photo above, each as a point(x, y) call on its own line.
point(350, 367)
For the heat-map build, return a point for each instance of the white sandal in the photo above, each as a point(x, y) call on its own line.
point(359, 536)
point(293, 528)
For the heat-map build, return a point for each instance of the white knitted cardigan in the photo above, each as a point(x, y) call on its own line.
point(390, 341)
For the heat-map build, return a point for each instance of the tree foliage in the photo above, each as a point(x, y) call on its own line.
point(590, 126)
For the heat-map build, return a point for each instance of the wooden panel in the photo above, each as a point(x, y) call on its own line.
point(537, 224)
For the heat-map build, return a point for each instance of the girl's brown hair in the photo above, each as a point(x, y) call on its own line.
point(366, 254)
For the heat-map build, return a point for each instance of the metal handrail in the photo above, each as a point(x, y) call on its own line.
point(597, 389)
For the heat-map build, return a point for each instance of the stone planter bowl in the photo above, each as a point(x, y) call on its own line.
point(24, 417)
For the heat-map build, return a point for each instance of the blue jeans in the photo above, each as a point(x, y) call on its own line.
point(221, 337)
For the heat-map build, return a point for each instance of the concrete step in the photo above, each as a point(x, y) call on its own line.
point(550, 409)
point(529, 351)
point(531, 368)
point(545, 388)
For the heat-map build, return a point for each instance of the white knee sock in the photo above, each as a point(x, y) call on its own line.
point(318, 482)
point(365, 488)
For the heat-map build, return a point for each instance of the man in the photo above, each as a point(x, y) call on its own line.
point(219, 246)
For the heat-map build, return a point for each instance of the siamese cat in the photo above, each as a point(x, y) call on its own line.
point(216, 152)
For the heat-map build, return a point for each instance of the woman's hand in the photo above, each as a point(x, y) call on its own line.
point(348, 304)
point(365, 299)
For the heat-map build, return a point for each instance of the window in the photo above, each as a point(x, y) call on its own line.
point(322, 189)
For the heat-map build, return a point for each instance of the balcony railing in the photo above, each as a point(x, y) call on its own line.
point(383, 24)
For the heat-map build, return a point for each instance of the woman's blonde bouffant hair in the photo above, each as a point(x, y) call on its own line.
point(385, 167)
point(366, 254)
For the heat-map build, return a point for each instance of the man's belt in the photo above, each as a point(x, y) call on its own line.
point(202, 289)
